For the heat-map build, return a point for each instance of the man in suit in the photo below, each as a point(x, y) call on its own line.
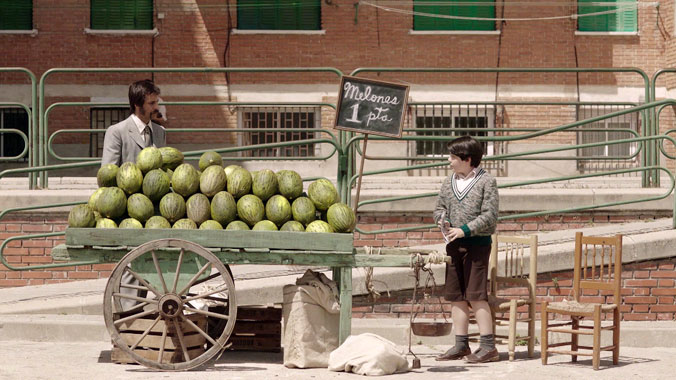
point(124, 140)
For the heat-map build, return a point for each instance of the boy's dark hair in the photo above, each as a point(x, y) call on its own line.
point(467, 147)
point(138, 92)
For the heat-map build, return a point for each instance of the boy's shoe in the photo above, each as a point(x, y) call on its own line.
point(482, 355)
point(453, 354)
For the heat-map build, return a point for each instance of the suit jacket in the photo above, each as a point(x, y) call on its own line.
point(123, 142)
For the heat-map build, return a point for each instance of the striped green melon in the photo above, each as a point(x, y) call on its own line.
point(172, 207)
point(239, 182)
point(290, 184)
point(278, 209)
point(156, 184)
point(106, 223)
point(106, 176)
point(171, 157)
point(228, 169)
point(303, 210)
point(198, 208)
point(210, 158)
point(341, 217)
point(264, 184)
point(185, 180)
point(95, 197)
point(185, 224)
point(265, 225)
point(130, 223)
point(157, 222)
point(210, 225)
point(237, 225)
point(140, 207)
point(129, 178)
point(112, 202)
point(212, 180)
point(223, 208)
point(293, 225)
point(81, 216)
point(148, 159)
point(323, 194)
point(319, 226)
point(250, 209)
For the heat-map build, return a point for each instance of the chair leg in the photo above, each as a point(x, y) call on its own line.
point(543, 333)
point(574, 337)
point(596, 358)
point(531, 329)
point(616, 335)
point(511, 342)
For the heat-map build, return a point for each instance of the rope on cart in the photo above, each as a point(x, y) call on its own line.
point(368, 277)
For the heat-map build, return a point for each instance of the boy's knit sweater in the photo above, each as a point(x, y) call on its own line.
point(474, 210)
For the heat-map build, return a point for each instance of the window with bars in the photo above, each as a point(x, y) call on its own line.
point(276, 124)
point(445, 121)
point(279, 14)
point(617, 16)
point(16, 14)
point(617, 128)
point(11, 144)
point(102, 118)
point(121, 14)
point(447, 8)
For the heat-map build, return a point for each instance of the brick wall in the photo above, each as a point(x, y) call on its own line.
point(648, 294)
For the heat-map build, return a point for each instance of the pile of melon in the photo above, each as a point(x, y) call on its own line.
point(159, 190)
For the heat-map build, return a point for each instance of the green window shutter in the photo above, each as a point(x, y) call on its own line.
point(279, 14)
point(623, 21)
point(434, 23)
point(16, 14)
point(122, 14)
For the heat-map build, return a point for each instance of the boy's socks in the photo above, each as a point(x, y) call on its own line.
point(487, 342)
point(461, 342)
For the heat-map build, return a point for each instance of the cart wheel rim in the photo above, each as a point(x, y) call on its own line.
point(169, 309)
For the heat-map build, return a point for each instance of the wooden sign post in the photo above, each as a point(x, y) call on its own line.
point(370, 107)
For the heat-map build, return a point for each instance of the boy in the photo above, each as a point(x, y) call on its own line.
point(466, 212)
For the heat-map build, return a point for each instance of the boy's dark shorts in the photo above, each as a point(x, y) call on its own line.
point(467, 274)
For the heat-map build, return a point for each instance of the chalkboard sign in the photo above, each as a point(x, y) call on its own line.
point(370, 106)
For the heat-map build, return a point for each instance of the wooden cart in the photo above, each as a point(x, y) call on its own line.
point(162, 287)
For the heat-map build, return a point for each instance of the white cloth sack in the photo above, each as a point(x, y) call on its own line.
point(311, 314)
point(368, 354)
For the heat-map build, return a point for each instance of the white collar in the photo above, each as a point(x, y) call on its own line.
point(139, 124)
point(469, 175)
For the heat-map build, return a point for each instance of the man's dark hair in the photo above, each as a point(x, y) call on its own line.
point(467, 147)
point(138, 92)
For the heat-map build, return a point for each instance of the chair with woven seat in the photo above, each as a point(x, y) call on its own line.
point(507, 266)
point(598, 267)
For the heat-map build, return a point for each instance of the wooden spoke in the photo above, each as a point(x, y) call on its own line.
point(207, 313)
point(159, 271)
point(199, 296)
point(135, 298)
point(145, 333)
point(132, 286)
point(209, 277)
point(217, 299)
point(178, 270)
point(135, 316)
point(199, 330)
point(164, 341)
point(179, 333)
point(144, 282)
point(194, 278)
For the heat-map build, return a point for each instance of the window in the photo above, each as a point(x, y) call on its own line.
point(463, 9)
point(11, 144)
point(622, 17)
point(278, 121)
point(443, 121)
point(606, 157)
point(102, 118)
point(16, 14)
point(279, 14)
point(122, 14)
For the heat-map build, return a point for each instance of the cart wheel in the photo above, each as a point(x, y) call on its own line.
point(162, 320)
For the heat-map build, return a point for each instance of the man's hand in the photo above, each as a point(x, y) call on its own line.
point(454, 233)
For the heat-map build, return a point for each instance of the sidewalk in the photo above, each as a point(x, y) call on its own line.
point(73, 361)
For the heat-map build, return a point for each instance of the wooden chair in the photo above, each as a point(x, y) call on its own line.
point(598, 266)
point(509, 257)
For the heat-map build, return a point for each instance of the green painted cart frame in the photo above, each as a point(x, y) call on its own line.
point(151, 251)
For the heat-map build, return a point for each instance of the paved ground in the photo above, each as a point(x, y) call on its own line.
point(52, 360)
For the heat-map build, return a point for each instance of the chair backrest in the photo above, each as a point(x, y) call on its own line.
point(509, 257)
point(598, 264)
